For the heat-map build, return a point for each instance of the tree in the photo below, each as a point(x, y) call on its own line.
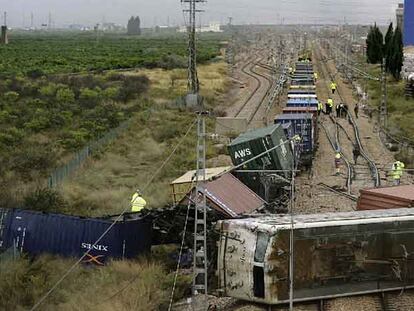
point(375, 41)
point(389, 38)
point(397, 54)
point(134, 26)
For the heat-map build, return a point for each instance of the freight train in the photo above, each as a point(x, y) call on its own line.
point(334, 254)
point(299, 118)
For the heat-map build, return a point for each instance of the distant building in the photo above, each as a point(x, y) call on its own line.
point(212, 27)
point(79, 27)
point(400, 16)
point(112, 27)
point(408, 32)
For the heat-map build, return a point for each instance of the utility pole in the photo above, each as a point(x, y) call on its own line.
point(200, 260)
point(231, 49)
point(31, 21)
point(49, 22)
point(193, 83)
point(4, 39)
point(383, 109)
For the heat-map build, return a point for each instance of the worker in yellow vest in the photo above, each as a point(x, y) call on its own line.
point(338, 162)
point(315, 76)
point(397, 171)
point(137, 202)
point(320, 107)
point(333, 87)
point(329, 106)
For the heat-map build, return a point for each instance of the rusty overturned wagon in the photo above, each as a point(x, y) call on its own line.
point(335, 254)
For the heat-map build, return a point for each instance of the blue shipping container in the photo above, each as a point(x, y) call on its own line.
point(408, 22)
point(303, 126)
point(302, 91)
point(298, 102)
point(36, 233)
point(289, 133)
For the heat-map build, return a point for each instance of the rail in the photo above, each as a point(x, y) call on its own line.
point(255, 75)
point(335, 146)
point(259, 84)
point(373, 167)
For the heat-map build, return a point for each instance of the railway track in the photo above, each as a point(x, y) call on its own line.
point(253, 103)
point(357, 173)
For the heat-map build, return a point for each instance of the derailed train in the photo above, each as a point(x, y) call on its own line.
point(299, 118)
point(334, 254)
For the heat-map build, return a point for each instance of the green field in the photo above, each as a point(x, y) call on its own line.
point(36, 53)
point(47, 115)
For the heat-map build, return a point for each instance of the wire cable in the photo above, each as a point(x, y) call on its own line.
point(119, 217)
point(180, 253)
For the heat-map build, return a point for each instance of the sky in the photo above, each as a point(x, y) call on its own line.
point(160, 12)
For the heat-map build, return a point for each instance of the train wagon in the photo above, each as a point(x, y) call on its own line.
point(305, 86)
point(255, 142)
point(302, 102)
point(304, 126)
point(308, 71)
point(302, 91)
point(301, 82)
point(304, 76)
point(302, 96)
point(36, 233)
point(310, 109)
point(335, 254)
point(290, 133)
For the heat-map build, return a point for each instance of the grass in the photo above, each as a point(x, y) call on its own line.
point(23, 282)
point(108, 181)
point(400, 109)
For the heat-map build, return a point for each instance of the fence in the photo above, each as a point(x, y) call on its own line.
point(63, 172)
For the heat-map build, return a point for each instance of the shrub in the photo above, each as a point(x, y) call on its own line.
point(90, 98)
point(39, 121)
point(11, 97)
point(111, 92)
point(33, 157)
point(74, 140)
point(132, 86)
point(45, 200)
point(11, 136)
point(171, 61)
point(65, 96)
point(48, 90)
point(35, 73)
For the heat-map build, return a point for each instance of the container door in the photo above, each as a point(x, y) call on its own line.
point(18, 233)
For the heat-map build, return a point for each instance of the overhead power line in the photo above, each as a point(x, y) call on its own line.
point(70, 270)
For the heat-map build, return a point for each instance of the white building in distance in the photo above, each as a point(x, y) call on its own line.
point(212, 27)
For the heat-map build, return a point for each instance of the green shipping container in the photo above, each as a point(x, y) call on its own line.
point(255, 142)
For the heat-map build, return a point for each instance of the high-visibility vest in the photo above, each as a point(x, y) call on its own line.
point(137, 203)
point(333, 86)
point(330, 102)
point(320, 106)
point(399, 168)
point(315, 75)
point(395, 173)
